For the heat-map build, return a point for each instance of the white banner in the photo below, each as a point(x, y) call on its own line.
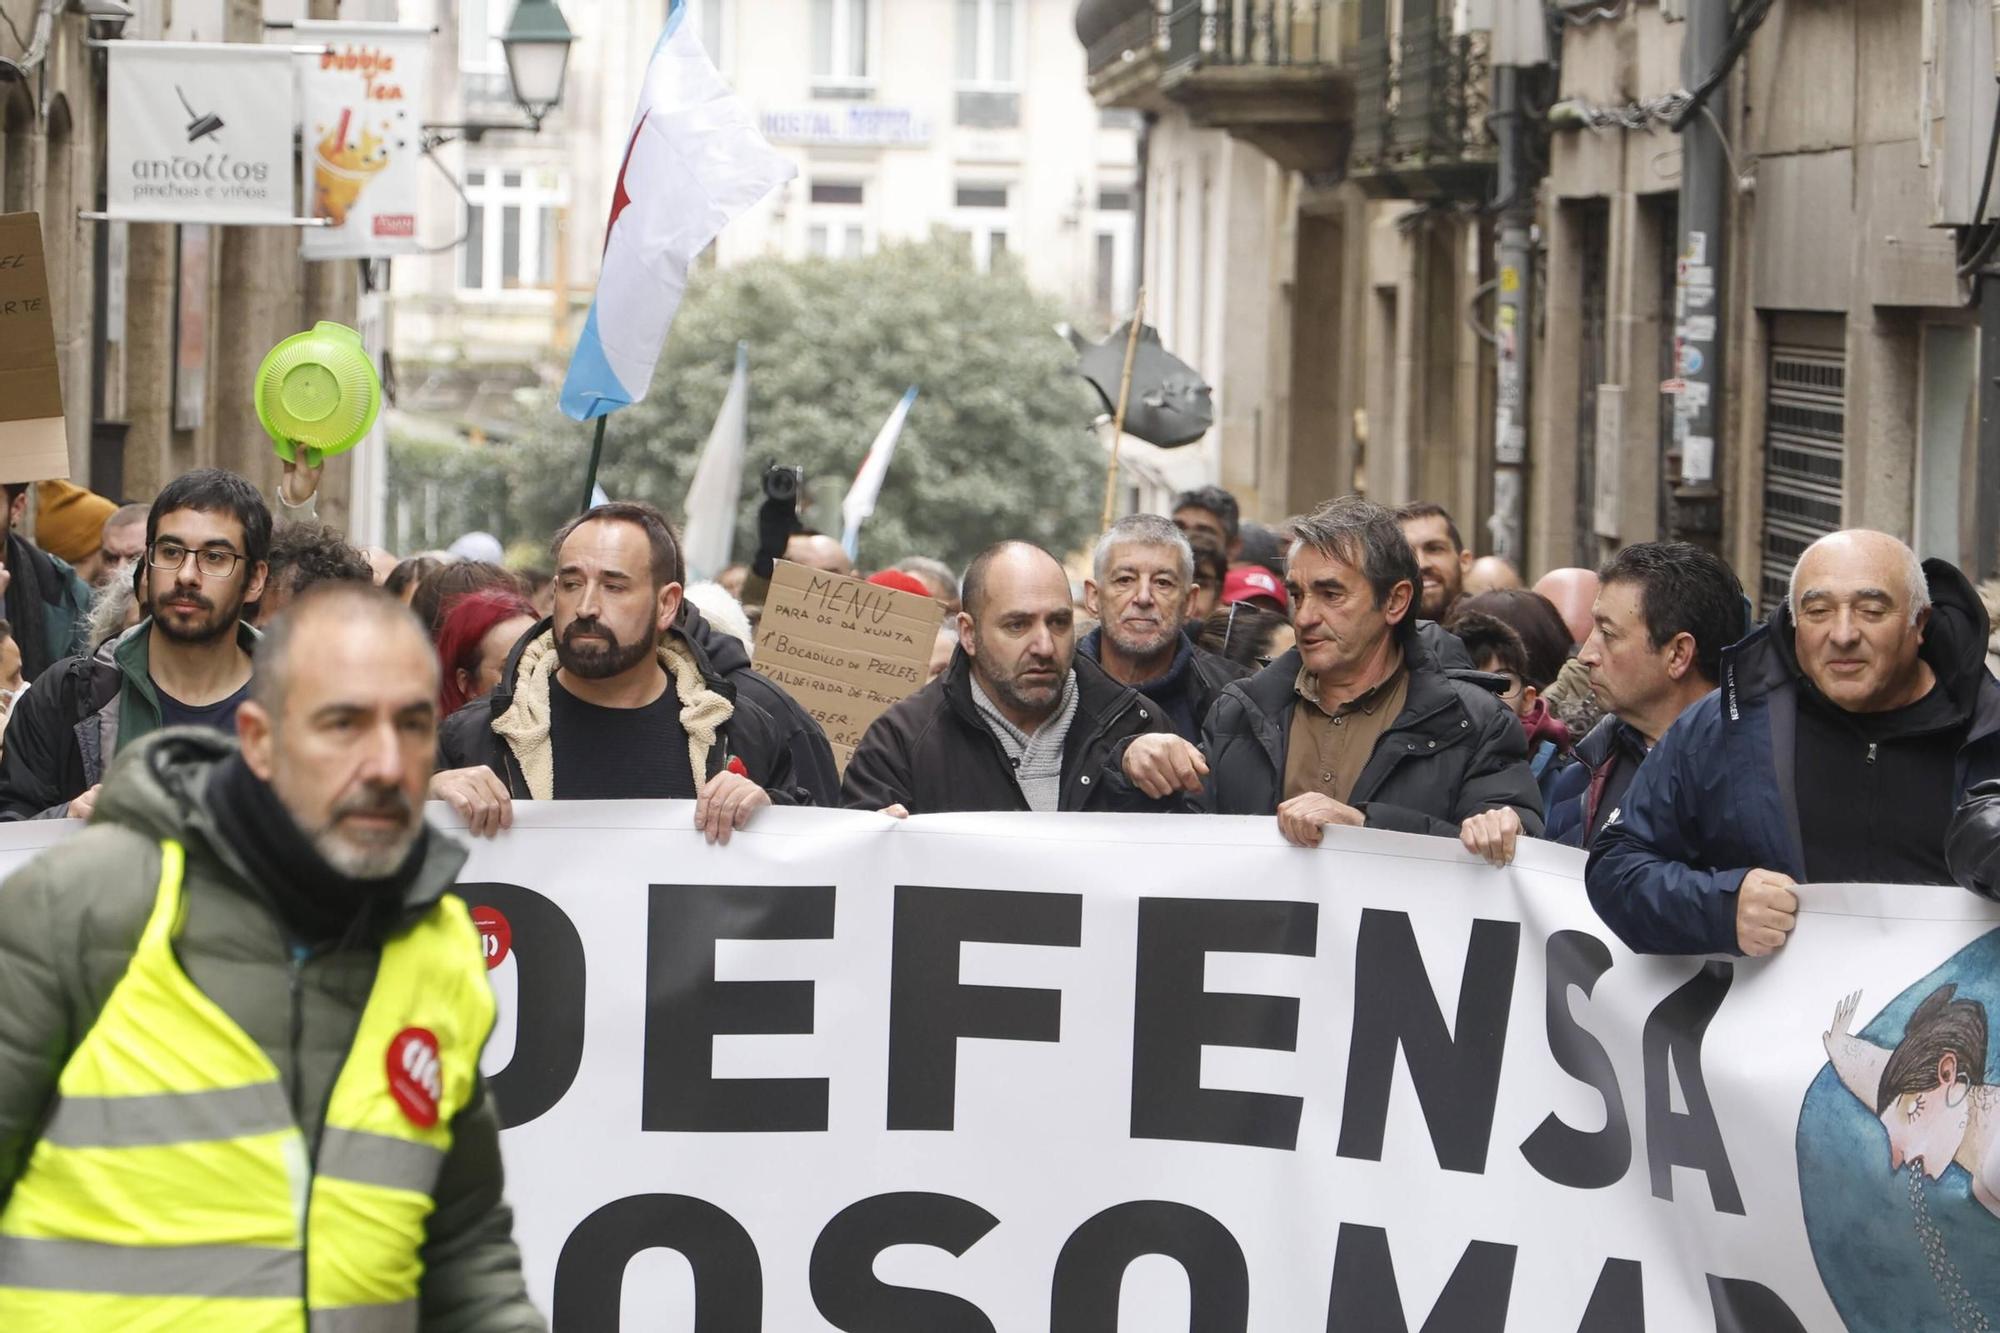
point(200, 132)
point(1093, 1074)
point(1152, 1073)
point(363, 101)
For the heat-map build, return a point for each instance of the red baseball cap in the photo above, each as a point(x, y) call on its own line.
point(901, 582)
point(1247, 583)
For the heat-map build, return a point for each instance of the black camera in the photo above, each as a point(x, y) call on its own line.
point(784, 483)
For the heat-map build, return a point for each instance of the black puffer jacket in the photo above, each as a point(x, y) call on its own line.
point(812, 757)
point(1973, 845)
point(932, 753)
point(1455, 750)
point(467, 738)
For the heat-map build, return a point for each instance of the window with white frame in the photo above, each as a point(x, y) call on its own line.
point(837, 221)
point(482, 62)
point(512, 223)
point(1113, 225)
point(982, 214)
point(480, 24)
point(840, 38)
point(708, 20)
point(987, 40)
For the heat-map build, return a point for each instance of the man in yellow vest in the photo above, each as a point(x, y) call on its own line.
point(241, 1017)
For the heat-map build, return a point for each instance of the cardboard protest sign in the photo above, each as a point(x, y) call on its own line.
point(34, 446)
point(845, 649)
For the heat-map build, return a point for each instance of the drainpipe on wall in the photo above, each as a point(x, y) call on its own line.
point(1699, 317)
point(1519, 45)
point(1513, 325)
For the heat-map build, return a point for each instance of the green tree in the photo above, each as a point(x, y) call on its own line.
point(997, 445)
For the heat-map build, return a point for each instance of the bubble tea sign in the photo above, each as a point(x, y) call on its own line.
point(363, 101)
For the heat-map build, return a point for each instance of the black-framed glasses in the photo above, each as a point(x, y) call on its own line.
point(214, 562)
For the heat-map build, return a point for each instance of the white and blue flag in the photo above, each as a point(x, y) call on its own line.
point(695, 162)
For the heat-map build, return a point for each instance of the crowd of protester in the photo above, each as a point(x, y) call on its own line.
point(1357, 666)
point(251, 726)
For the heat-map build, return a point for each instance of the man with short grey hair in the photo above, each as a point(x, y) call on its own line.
point(1142, 573)
point(1845, 732)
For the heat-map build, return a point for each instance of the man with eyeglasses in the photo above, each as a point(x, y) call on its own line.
point(186, 664)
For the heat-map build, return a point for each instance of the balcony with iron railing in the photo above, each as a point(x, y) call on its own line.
point(1266, 71)
point(1422, 95)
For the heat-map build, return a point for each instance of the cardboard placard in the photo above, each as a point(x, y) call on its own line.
point(844, 648)
point(34, 443)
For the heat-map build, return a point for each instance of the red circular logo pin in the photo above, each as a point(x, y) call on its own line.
point(416, 1075)
point(495, 935)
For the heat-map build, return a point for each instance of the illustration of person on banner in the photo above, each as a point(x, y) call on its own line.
point(1930, 1092)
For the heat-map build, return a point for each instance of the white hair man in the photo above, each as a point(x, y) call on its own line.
point(1844, 733)
point(1140, 586)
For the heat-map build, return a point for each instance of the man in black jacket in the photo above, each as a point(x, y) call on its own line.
point(1359, 724)
point(1019, 721)
point(1142, 577)
point(611, 700)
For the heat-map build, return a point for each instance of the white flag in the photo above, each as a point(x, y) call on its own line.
point(695, 162)
point(718, 479)
point(867, 487)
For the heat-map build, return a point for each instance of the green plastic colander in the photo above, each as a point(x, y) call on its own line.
point(318, 389)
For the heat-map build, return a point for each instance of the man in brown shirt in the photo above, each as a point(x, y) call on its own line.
point(1329, 748)
point(1359, 724)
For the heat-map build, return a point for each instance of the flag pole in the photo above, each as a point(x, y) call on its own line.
point(596, 454)
point(1118, 419)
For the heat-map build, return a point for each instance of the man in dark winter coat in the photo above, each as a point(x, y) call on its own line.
point(1663, 614)
point(188, 982)
point(1358, 725)
point(1845, 732)
point(1019, 721)
point(610, 699)
point(1142, 573)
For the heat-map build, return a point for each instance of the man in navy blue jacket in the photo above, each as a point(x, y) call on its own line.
point(1663, 615)
point(1845, 732)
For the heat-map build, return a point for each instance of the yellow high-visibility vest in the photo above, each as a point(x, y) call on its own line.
point(173, 1189)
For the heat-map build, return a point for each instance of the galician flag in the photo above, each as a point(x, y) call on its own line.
point(694, 163)
point(867, 487)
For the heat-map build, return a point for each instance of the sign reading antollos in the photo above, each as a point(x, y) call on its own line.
point(200, 132)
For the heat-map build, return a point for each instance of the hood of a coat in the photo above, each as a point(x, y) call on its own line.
point(724, 653)
point(158, 787)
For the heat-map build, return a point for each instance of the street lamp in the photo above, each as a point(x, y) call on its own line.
point(536, 45)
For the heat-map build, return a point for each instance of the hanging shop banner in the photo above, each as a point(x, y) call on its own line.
point(362, 100)
point(201, 132)
point(1058, 1073)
